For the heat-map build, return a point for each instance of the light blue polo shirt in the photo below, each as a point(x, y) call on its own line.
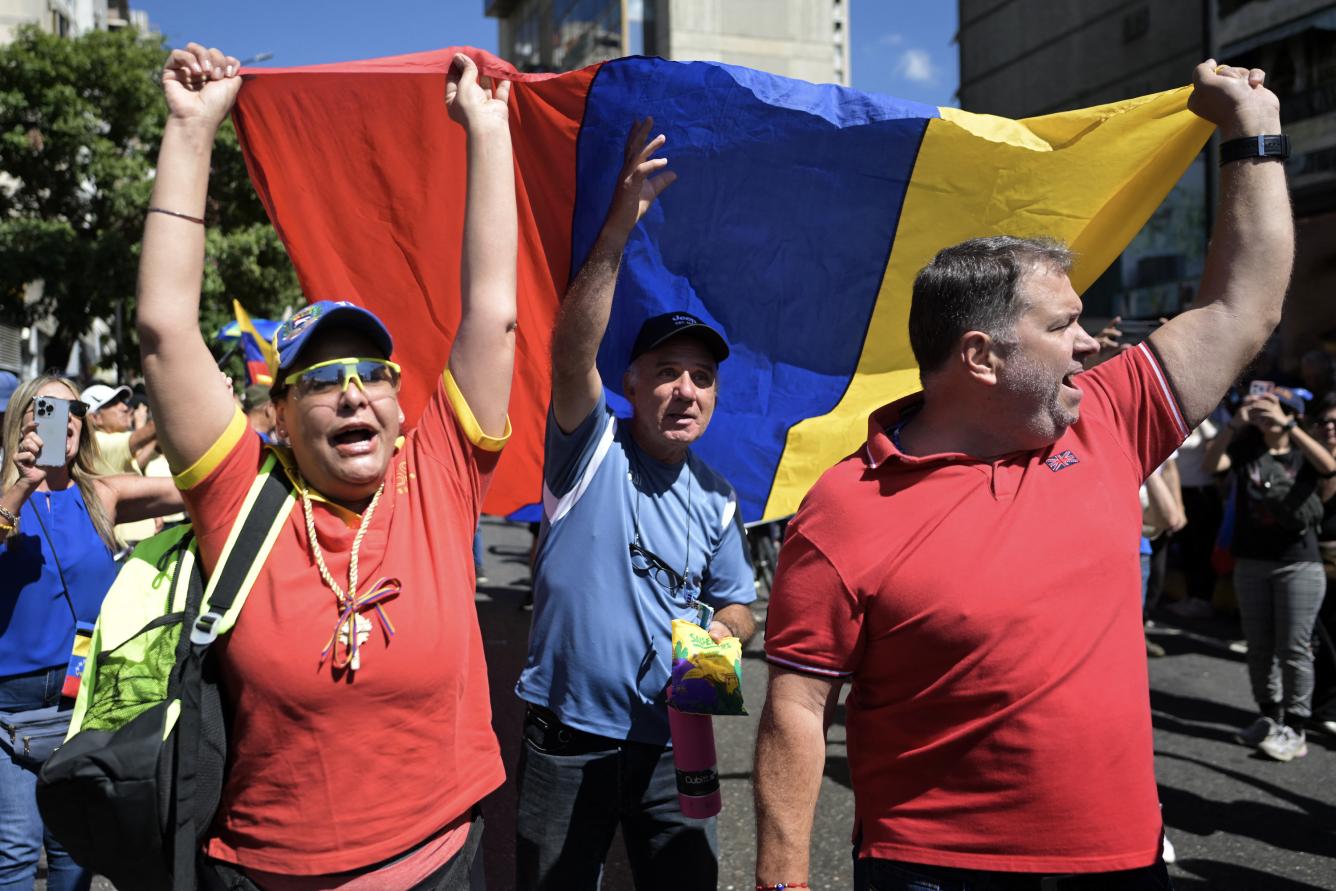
point(600, 649)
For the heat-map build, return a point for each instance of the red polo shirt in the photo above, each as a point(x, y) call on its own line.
point(329, 770)
point(988, 614)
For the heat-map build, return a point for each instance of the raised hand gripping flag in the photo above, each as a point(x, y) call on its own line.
point(799, 219)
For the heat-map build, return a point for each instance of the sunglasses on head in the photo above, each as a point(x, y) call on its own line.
point(375, 377)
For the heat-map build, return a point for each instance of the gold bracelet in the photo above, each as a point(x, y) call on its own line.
point(5, 512)
point(6, 528)
point(173, 213)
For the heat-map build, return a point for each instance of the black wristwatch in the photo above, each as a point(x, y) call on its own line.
point(1290, 425)
point(1269, 147)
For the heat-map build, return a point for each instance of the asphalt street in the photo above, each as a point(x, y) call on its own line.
point(1238, 821)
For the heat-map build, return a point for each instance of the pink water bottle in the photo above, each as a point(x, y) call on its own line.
point(695, 760)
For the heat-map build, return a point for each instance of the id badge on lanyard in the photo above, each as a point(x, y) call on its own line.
point(704, 612)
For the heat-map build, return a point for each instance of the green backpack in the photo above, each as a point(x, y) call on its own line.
point(133, 790)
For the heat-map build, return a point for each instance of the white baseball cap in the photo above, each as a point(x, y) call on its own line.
point(98, 396)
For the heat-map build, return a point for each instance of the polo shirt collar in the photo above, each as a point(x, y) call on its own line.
point(881, 449)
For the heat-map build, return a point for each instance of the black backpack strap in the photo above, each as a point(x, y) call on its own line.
point(196, 637)
point(231, 575)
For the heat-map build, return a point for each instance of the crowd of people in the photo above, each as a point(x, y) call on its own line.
point(974, 752)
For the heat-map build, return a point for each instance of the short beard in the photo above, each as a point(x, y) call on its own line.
point(1027, 384)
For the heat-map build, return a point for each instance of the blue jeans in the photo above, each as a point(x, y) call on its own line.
point(894, 875)
point(21, 830)
point(572, 798)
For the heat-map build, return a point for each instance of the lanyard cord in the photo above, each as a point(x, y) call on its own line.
point(637, 481)
point(350, 621)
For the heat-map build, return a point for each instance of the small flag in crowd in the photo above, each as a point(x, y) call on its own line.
point(256, 337)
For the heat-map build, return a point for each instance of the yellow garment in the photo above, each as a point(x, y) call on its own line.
point(116, 456)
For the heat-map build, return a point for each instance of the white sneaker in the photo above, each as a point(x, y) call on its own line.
point(1258, 730)
point(1168, 852)
point(1285, 743)
point(1329, 726)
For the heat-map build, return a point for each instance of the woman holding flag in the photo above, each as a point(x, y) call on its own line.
point(360, 741)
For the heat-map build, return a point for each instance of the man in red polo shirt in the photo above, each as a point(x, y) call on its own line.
point(972, 570)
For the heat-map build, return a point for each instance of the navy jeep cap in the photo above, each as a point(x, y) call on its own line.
point(660, 329)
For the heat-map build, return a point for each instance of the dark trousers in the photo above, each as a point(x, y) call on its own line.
point(1324, 643)
point(462, 872)
point(1196, 540)
point(893, 875)
point(1159, 568)
point(576, 789)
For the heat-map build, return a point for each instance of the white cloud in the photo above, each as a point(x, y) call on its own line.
point(916, 65)
point(891, 39)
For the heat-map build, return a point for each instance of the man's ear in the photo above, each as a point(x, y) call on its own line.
point(628, 387)
point(979, 357)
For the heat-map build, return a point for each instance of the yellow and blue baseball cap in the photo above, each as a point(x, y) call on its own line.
point(326, 315)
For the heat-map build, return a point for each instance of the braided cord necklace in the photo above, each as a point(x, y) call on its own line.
point(352, 629)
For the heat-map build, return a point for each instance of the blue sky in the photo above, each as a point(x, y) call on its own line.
point(900, 47)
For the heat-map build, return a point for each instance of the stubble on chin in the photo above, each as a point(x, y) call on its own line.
point(1028, 384)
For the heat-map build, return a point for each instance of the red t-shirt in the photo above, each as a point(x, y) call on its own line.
point(331, 771)
point(988, 614)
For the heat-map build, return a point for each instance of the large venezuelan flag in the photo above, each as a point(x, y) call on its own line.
point(799, 219)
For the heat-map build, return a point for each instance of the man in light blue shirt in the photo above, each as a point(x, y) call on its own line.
point(637, 531)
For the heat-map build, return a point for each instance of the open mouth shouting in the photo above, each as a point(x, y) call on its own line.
point(353, 439)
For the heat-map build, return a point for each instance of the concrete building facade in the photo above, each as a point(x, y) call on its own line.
point(1022, 58)
point(806, 39)
point(64, 18)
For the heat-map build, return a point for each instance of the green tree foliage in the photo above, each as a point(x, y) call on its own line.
point(80, 123)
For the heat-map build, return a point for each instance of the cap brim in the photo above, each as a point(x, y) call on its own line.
point(121, 392)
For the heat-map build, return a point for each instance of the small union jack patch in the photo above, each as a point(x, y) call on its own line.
point(1062, 460)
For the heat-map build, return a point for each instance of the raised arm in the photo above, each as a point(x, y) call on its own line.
point(129, 497)
point(1216, 457)
point(583, 318)
point(1251, 253)
point(143, 436)
point(200, 86)
point(790, 760)
point(482, 359)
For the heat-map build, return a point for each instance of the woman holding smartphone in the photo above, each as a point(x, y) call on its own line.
point(56, 546)
point(1278, 470)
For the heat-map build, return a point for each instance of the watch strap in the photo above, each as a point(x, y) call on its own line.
point(1268, 146)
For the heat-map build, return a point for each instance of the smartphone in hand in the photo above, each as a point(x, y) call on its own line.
point(1260, 388)
point(53, 419)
